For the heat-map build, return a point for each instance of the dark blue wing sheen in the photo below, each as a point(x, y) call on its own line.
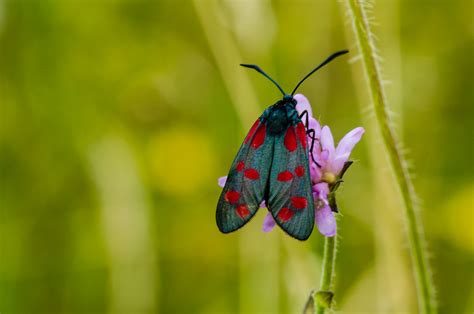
point(290, 198)
point(247, 180)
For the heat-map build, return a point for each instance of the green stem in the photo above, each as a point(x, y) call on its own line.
point(371, 67)
point(323, 298)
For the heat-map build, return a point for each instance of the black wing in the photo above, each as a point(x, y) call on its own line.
point(290, 198)
point(247, 180)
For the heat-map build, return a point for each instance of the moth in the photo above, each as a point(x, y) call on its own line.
point(272, 165)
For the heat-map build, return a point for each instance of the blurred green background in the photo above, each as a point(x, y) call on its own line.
point(118, 116)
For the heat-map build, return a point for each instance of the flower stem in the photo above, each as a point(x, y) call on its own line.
point(323, 298)
point(365, 41)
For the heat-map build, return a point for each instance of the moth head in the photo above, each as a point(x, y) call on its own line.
point(289, 99)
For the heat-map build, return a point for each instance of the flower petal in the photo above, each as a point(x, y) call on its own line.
point(344, 148)
point(268, 223)
point(315, 172)
point(338, 163)
point(326, 222)
point(221, 181)
point(327, 141)
point(324, 156)
point(263, 204)
point(323, 190)
point(302, 104)
point(347, 143)
point(314, 124)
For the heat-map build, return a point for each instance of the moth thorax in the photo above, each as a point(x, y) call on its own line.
point(277, 120)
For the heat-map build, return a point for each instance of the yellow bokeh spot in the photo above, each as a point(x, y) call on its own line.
point(181, 161)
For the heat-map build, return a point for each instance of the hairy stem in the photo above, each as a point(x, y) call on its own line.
point(371, 67)
point(323, 298)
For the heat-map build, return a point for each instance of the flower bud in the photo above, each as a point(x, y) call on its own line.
point(329, 177)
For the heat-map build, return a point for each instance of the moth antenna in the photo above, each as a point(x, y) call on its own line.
point(256, 68)
point(329, 59)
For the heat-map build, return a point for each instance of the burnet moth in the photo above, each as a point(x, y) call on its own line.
point(272, 165)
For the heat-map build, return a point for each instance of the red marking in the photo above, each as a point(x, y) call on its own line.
point(242, 211)
point(301, 134)
point(299, 202)
point(232, 196)
point(252, 131)
point(299, 171)
point(251, 174)
point(290, 139)
point(285, 214)
point(240, 166)
point(259, 137)
point(285, 176)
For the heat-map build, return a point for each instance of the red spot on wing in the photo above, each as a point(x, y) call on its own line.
point(299, 202)
point(240, 166)
point(242, 210)
point(252, 131)
point(285, 176)
point(285, 214)
point(232, 196)
point(259, 137)
point(251, 174)
point(290, 139)
point(299, 171)
point(301, 134)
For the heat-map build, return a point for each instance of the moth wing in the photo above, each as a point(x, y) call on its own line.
point(247, 180)
point(290, 198)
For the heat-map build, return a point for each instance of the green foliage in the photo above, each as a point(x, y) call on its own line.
point(414, 225)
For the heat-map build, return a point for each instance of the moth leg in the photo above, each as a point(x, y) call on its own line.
point(308, 132)
point(313, 139)
point(305, 113)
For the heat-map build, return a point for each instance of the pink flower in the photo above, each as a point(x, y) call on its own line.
point(327, 165)
point(324, 216)
point(333, 159)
